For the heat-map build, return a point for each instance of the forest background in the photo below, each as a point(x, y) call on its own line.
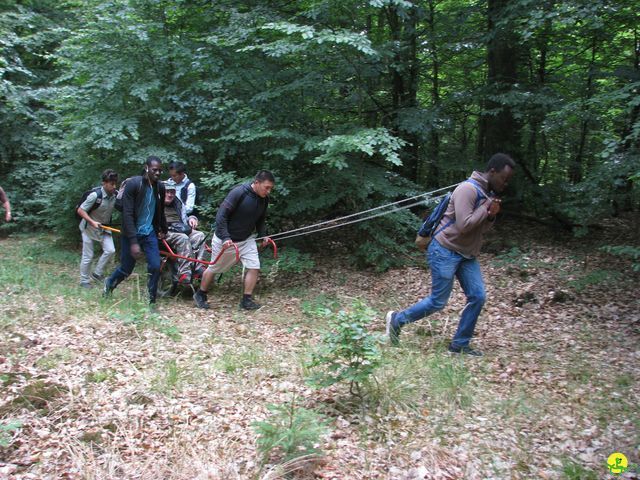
point(351, 105)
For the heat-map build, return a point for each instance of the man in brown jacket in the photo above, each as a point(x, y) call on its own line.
point(453, 250)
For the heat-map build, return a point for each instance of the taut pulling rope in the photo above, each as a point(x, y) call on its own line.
point(340, 221)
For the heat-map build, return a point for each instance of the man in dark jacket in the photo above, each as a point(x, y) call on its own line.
point(143, 223)
point(242, 212)
point(453, 250)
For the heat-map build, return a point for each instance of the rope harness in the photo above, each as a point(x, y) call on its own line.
point(425, 198)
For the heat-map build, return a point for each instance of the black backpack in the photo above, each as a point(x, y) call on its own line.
point(120, 194)
point(96, 204)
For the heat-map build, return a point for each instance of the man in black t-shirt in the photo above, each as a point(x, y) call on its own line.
point(242, 212)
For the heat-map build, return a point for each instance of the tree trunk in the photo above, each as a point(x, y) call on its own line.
point(499, 131)
point(536, 154)
point(428, 167)
point(404, 82)
point(575, 172)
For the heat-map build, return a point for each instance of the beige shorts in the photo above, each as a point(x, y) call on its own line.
point(248, 250)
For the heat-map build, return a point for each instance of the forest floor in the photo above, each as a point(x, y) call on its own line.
point(93, 388)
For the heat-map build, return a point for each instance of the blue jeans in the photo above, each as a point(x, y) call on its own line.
point(149, 245)
point(445, 264)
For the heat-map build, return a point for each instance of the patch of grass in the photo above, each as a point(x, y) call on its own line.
point(321, 306)
point(526, 346)
point(139, 316)
point(170, 378)
point(99, 376)
point(36, 396)
point(55, 358)
point(239, 359)
point(580, 372)
point(7, 432)
point(595, 277)
point(574, 471)
point(518, 261)
point(520, 404)
point(289, 260)
point(400, 382)
point(624, 380)
point(348, 352)
point(450, 380)
point(298, 292)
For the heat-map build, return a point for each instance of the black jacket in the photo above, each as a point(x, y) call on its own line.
point(242, 212)
point(134, 193)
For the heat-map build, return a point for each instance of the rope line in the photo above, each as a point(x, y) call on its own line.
point(339, 222)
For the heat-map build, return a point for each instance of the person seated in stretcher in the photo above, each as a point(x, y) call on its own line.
point(183, 238)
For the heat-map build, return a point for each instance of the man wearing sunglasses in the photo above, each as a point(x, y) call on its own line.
point(143, 223)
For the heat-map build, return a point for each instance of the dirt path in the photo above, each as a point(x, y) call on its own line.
point(103, 389)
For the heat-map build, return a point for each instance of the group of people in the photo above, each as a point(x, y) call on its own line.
point(154, 211)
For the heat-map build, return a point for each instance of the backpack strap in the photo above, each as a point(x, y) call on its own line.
point(98, 202)
point(479, 196)
point(184, 193)
point(479, 192)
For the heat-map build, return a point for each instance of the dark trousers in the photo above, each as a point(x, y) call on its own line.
point(149, 245)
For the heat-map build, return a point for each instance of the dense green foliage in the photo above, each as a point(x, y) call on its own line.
point(351, 104)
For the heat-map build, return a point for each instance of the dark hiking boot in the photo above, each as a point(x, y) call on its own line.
point(249, 304)
point(393, 330)
point(97, 278)
point(86, 285)
point(200, 298)
point(464, 350)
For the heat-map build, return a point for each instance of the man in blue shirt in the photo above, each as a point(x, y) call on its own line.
point(143, 223)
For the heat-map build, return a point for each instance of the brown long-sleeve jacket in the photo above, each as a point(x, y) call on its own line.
point(467, 217)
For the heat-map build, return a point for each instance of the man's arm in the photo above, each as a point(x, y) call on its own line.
point(128, 210)
point(225, 210)
point(85, 207)
point(163, 220)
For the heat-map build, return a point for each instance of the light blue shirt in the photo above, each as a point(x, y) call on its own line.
point(144, 222)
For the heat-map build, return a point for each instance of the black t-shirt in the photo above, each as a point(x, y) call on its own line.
point(241, 212)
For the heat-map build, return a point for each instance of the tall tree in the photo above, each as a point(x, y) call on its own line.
point(499, 129)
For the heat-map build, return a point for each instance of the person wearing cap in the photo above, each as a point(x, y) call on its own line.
point(183, 238)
